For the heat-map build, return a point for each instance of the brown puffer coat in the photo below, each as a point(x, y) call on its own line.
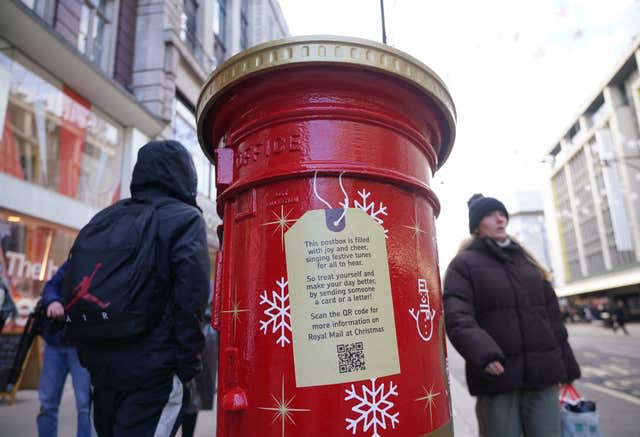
point(498, 307)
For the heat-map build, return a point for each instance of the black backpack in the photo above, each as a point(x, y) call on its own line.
point(115, 289)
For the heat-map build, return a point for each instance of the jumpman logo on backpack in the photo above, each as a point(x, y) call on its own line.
point(113, 293)
point(81, 291)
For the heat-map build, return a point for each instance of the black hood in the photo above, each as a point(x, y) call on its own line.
point(167, 167)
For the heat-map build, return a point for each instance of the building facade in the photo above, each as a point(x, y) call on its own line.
point(83, 85)
point(595, 191)
point(527, 224)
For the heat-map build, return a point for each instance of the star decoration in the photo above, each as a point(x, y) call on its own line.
point(282, 408)
point(429, 398)
point(282, 222)
point(417, 230)
point(235, 313)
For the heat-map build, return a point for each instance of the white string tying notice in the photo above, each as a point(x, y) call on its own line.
point(346, 201)
point(346, 197)
point(315, 190)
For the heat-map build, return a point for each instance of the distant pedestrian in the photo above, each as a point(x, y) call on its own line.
point(503, 316)
point(8, 308)
point(59, 360)
point(139, 278)
point(588, 314)
point(620, 317)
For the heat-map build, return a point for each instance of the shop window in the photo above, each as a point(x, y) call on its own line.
point(54, 138)
point(31, 251)
point(184, 130)
point(92, 35)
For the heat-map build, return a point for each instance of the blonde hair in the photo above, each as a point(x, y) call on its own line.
point(546, 274)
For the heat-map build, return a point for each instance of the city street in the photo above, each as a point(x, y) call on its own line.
point(611, 376)
point(610, 366)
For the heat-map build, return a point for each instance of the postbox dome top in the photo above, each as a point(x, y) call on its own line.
point(327, 50)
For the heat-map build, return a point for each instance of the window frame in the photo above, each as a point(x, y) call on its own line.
point(219, 28)
point(189, 24)
point(100, 11)
point(244, 25)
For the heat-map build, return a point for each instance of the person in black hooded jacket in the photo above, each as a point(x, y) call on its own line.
point(139, 387)
point(502, 315)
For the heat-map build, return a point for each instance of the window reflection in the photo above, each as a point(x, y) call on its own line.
point(31, 251)
point(53, 137)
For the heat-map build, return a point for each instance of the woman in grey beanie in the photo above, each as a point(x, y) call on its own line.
point(503, 317)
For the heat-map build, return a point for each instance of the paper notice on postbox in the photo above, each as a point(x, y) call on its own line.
point(340, 294)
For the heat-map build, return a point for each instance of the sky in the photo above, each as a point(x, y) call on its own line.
point(519, 73)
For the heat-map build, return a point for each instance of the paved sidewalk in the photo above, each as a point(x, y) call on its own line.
point(19, 419)
point(464, 415)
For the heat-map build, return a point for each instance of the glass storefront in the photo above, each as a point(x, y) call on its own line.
point(52, 137)
point(31, 252)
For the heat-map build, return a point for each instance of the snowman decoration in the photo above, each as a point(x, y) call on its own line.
point(424, 315)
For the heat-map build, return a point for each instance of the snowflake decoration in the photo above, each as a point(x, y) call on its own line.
point(373, 407)
point(370, 208)
point(278, 312)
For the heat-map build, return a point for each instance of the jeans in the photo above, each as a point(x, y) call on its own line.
point(57, 363)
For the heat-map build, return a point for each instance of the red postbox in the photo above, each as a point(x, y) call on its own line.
point(328, 296)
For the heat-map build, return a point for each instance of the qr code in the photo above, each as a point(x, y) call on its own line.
point(351, 357)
